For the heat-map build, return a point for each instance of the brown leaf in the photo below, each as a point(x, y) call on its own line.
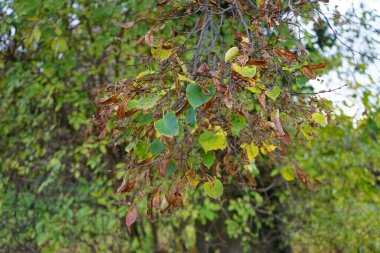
point(122, 186)
point(203, 68)
point(109, 100)
point(156, 200)
point(276, 119)
point(163, 3)
point(127, 25)
point(308, 72)
point(103, 133)
point(257, 63)
point(317, 67)
point(121, 111)
point(261, 99)
point(290, 56)
point(131, 216)
point(324, 1)
point(149, 39)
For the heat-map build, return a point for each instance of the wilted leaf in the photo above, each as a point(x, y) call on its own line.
point(213, 189)
point(320, 119)
point(168, 125)
point(248, 71)
point(231, 54)
point(285, 54)
point(149, 39)
point(127, 25)
point(131, 216)
point(196, 96)
point(308, 72)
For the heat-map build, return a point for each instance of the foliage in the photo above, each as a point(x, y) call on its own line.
point(216, 105)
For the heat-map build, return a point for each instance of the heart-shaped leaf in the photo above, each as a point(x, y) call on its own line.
point(196, 96)
point(213, 189)
point(168, 125)
point(248, 71)
point(319, 119)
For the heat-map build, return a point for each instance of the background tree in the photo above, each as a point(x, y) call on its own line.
point(57, 178)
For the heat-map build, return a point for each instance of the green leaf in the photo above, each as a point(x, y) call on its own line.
point(319, 119)
point(248, 71)
point(211, 141)
point(144, 119)
point(231, 54)
point(156, 147)
point(190, 116)
point(207, 158)
point(143, 103)
point(273, 93)
point(238, 123)
point(213, 189)
point(195, 95)
point(168, 125)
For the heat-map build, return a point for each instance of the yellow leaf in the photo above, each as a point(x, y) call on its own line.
point(144, 73)
point(267, 148)
point(254, 89)
point(248, 71)
point(288, 174)
point(231, 54)
point(213, 141)
point(251, 149)
point(161, 53)
point(185, 79)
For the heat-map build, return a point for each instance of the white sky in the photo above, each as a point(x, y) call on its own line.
point(331, 80)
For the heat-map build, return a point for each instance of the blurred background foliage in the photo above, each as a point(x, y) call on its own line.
point(56, 192)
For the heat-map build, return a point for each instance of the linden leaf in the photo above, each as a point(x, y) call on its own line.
point(251, 149)
point(254, 89)
point(245, 71)
point(320, 119)
point(144, 73)
point(195, 95)
point(211, 141)
point(207, 158)
point(213, 189)
point(273, 93)
point(161, 53)
point(131, 216)
point(267, 148)
point(288, 174)
point(168, 125)
point(238, 123)
point(231, 54)
point(185, 78)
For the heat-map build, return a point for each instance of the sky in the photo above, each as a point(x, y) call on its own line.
point(331, 80)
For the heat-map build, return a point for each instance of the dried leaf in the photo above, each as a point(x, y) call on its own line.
point(127, 25)
point(149, 39)
point(131, 216)
point(276, 119)
point(285, 54)
point(308, 72)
